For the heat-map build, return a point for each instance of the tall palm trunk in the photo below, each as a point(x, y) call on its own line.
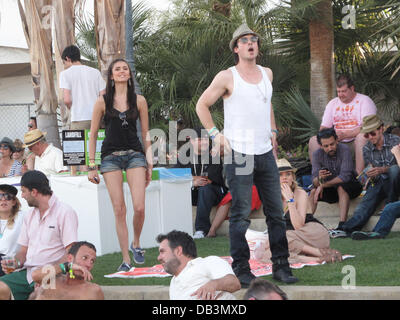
point(322, 83)
point(37, 29)
point(223, 7)
point(64, 36)
point(110, 32)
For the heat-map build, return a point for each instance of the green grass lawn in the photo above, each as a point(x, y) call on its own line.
point(376, 263)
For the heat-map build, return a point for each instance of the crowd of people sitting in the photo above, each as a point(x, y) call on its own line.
point(42, 257)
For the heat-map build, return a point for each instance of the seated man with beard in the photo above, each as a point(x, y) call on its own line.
point(194, 278)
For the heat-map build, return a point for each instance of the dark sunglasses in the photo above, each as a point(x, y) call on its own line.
point(4, 146)
point(6, 196)
point(19, 150)
point(122, 117)
point(245, 40)
point(373, 134)
point(30, 126)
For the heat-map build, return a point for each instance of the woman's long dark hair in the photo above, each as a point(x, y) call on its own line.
point(110, 89)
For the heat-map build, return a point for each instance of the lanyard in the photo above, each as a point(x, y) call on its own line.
point(194, 166)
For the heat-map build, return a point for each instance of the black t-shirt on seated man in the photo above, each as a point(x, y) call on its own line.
point(201, 165)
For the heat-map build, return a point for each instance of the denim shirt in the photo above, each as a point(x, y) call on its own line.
point(384, 157)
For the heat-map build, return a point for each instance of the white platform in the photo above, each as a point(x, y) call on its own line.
point(168, 206)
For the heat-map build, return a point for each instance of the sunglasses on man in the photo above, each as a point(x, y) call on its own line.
point(372, 134)
point(6, 196)
point(4, 146)
point(245, 40)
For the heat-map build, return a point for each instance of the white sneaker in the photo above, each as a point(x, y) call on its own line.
point(198, 235)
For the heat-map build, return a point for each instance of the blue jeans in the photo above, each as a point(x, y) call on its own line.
point(388, 218)
point(208, 196)
point(383, 188)
point(265, 176)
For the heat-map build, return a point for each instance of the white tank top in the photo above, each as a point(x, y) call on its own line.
point(247, 115)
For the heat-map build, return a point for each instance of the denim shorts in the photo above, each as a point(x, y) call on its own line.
point(114, 163)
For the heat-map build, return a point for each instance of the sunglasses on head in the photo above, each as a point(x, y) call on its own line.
point(4, 146)
point(6, 196)
point(245, 40)
point(372, 134)
point(122, 117)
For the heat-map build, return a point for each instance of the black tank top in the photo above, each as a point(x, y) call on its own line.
point(120, 135)
point(309, 218)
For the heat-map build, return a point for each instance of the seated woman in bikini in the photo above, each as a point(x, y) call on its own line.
point(307, 237)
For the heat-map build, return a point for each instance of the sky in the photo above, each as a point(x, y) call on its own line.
point(11, 33)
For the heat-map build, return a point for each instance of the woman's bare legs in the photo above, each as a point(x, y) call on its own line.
point(220, 216)
point(114, 180)
point(136, 178)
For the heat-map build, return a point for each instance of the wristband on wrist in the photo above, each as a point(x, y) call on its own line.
point(274, 130)
point(71, 272)
point(212, 130)
point(290, 200)
point(66, 266)
point(62, 267)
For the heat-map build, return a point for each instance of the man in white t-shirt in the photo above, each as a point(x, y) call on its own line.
point(345, 113)
point(81, 85)
point(210, 278)
point(48, 159)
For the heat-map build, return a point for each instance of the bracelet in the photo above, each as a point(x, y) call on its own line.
point(274, 130)
point(71, 272)
point(290, 200)
point(62, 267)
point(212, 130)
point(92, 164)
point(66, 266)
point(92, 168)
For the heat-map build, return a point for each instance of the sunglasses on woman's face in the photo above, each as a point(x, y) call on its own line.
point(373, 134)
point(122, 117)
point(4, 146)
point(6, 196)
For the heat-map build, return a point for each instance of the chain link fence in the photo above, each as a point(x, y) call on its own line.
point(14, 120)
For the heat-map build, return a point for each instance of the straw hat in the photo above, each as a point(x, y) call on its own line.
point(240, 32)
point(284, 165)
point(32, 137)
point(370, 123)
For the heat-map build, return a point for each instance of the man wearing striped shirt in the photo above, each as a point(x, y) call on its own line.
point(383, 173)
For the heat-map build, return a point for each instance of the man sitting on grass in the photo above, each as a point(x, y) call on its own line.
point(69, 280)
point(194, 278)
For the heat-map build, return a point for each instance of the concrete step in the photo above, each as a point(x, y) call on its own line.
point(327, 213)
point(293, 292)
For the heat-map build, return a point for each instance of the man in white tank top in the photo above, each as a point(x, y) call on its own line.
point(248, 139)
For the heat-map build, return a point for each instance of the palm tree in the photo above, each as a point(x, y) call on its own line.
point(64, 12)
point(110, 31)
point(37, 29)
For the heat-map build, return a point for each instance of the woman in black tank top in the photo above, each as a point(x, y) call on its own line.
point(308, 239)
point(122, 151)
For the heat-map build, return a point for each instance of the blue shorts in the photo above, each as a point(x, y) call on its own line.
point(115, 163)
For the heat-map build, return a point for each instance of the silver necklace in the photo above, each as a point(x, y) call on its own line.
point(263, 96)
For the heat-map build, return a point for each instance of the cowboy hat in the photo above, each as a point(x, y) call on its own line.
point(32, 137)
point(370, 123)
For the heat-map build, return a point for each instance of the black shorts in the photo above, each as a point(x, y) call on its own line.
point(330, 195)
